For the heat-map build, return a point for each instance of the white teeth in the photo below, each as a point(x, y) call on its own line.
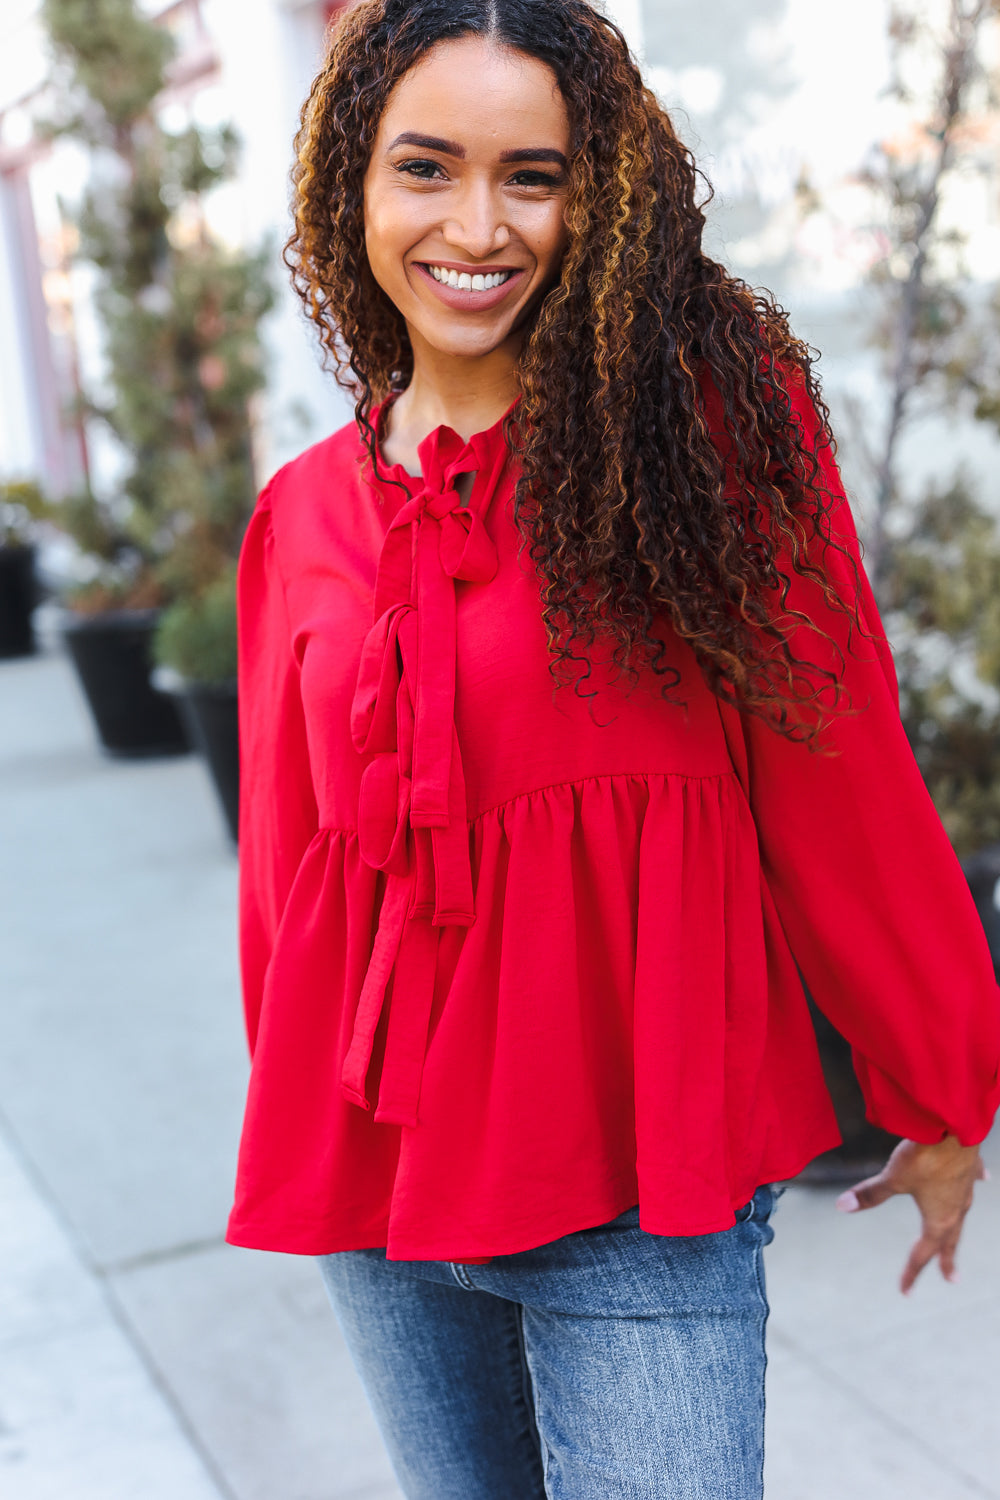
point(465, 282)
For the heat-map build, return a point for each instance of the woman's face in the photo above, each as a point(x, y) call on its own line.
point(465, 195)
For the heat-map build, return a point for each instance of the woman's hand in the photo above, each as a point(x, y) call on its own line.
point(941, 1178)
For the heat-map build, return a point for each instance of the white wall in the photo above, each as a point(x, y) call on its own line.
point(21, 440)
point(767, 93)
point(630, 17)
point(22, 435)
point(270, 54)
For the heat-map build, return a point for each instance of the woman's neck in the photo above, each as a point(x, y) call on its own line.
point(467, 395)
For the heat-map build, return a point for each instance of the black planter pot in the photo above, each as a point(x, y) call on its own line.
point(210, 713)
point(18, 597)
point(112, 654)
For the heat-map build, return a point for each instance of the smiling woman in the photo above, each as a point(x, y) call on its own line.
point(465, 224)
point(570, 740)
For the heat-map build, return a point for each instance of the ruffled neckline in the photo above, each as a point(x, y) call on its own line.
point(489, 443)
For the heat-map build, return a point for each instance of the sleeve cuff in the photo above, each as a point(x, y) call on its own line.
point(889, 1106)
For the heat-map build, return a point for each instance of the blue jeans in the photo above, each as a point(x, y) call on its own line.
point(608, 1364)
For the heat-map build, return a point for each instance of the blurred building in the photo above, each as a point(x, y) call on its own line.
point(247, 61)
point(769, 95)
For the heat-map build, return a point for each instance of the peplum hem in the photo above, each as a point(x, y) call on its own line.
point(615, 998)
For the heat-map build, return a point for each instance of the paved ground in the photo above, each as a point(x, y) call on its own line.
point(141, 1359)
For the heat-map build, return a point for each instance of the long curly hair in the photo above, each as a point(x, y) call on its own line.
point(627, 501)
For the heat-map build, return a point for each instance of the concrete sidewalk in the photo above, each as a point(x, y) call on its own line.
point(142, 1359)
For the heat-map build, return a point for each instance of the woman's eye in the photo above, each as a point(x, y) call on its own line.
point(536, 179)
point(425, 170)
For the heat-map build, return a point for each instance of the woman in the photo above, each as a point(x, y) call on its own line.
point(569, 732)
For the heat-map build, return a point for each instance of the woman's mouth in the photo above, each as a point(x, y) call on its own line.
point(469, 290)
point(465, 282)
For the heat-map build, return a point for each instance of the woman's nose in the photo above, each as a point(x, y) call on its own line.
point(477, 224)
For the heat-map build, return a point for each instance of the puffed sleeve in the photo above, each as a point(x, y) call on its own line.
point(872, 899)
point(278, 816)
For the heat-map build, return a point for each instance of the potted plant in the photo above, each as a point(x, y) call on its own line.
point(22, 506)
point(179, 314)
point(108, 628)
point(196, 648)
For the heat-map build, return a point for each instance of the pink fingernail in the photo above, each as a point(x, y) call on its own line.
point(987, 1175)
point(848, 1202)
point(953, 1277)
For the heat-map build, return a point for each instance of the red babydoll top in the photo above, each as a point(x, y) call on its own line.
point(514, 959)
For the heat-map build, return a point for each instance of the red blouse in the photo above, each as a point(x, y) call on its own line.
point(515, 960)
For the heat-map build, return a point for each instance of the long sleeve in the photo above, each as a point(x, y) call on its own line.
point(278, 816)
point(870, 895)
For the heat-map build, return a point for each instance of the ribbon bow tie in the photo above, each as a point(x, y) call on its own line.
point(412, 814)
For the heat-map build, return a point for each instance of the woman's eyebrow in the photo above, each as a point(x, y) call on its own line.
point(535, 153)
point(454, 148)
point(428, 142)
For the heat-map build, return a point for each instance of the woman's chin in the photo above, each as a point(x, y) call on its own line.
point(464, 343)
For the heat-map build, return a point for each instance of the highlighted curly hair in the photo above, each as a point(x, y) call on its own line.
point(628, 503)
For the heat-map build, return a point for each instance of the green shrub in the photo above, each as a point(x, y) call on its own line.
point(196, 635)
point(943, 611)
point(179, 314)
point(22, 505)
